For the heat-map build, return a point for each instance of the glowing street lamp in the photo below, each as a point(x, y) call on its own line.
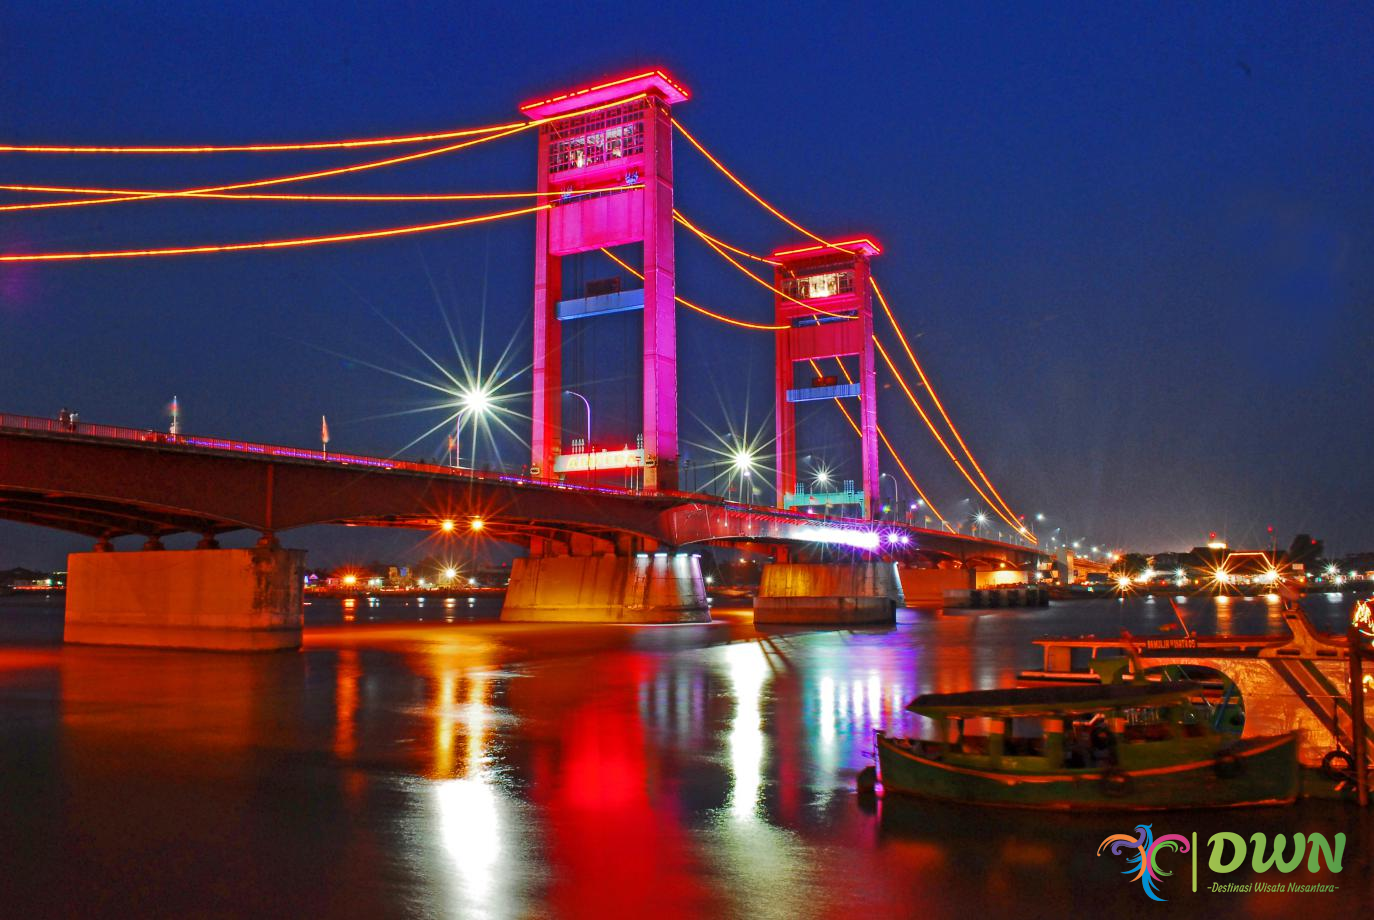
point(446, 526)
point(476, 401)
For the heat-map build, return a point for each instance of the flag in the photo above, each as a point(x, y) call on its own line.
point(324, 430)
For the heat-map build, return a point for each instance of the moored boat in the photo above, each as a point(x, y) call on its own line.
point(1133, 746)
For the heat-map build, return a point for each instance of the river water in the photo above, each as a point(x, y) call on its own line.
point(423, 760)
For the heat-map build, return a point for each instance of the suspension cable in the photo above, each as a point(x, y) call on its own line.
point(925, 381)
point(717, 246)
point(271, 244)
point(282, 196)
point(744, 187)
point(1009, 515)
point(743, 324)
point(881, 434)
point(319, 174)
point(1010, 519)
point(678, 216)
point(260, 148)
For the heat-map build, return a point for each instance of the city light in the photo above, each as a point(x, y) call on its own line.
point(446, 526)
point(477, 524)
point(350, 580)
point(450, 574)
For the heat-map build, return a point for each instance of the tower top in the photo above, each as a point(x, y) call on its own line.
point(655, 81)
point(863, 246)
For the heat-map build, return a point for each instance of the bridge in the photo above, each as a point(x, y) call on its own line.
point(596, 550)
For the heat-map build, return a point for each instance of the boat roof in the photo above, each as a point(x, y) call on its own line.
point(1035, 701)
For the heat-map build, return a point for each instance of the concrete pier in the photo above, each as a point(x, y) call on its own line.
point(642, 588)
point(927, 587)
point(215, 599)
point(828, 593)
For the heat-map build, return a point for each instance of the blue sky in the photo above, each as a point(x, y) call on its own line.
point(1135, 243)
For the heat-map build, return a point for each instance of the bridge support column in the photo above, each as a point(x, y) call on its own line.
point(215, 599)
point(642, 588)
point(828, 593)
point(927, 587)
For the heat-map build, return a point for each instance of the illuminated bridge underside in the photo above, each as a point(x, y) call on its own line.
point(108, 487)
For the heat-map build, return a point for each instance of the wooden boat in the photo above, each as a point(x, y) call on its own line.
point(1132, 746)
point(1261, 685)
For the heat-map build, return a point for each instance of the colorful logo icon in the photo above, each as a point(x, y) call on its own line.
point(1143, 861)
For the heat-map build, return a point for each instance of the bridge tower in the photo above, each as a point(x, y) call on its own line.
point(626, 141)
point(825, 303)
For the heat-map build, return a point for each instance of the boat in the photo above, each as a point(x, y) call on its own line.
point(1136, 746)
point(1265, 683)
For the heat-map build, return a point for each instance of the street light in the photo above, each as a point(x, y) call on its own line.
point(476, 401)
point(896, 496)
point(588, 405)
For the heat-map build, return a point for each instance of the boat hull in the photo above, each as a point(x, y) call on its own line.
point(1262, 771)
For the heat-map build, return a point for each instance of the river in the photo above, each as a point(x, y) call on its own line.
point(420, 759)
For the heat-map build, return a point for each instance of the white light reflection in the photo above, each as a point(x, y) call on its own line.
point(468, 804)
point(748, 672)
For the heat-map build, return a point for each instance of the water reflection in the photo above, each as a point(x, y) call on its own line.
point(478, 770)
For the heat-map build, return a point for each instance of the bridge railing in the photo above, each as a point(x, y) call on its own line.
point(150, 436)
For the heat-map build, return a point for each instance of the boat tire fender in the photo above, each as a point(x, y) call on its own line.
point(1116, 783)
point(1227, 765)
point(1337, 764)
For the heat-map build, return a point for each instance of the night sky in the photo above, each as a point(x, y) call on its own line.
point(1134, 243)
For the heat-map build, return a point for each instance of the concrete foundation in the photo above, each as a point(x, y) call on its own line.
point(927, 587)
point(645, 588)
point(215, 599)
point(828, 594)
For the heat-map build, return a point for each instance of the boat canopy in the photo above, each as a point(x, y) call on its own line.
point(1052, 701)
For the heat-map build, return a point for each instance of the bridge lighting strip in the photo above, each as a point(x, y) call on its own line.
point(1011, 520)
point(1010, 516)
point(911, 355)
point(678, 216)
point(249, 196)
point(743, 324)
point(882, 435)
point(273, 244)
point(262, 148)
point(319, 174)
point(717, 246)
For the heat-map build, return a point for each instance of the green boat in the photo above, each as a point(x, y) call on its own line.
point(1133, 746)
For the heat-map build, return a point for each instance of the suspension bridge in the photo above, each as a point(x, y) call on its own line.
point(596, 550)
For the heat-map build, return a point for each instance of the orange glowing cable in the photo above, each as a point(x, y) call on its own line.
point(263, 196)
point(271, 244)
point(883, 436)
point(745, 188)
point(1009, 518)
point(261, 148)
point(711, 241)
point(911, 355)
point(302, 177)
point(678, 216)
point(743, 324)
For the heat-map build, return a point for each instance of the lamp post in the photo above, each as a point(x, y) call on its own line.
point(896, 496)
point(588, 406)
point(475, 401)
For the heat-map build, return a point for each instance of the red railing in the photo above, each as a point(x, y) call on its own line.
point(149, 436)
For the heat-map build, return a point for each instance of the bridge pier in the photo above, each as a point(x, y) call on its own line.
point(927, 587)
point(656, 587)
point(828, 593)
point(214, 599)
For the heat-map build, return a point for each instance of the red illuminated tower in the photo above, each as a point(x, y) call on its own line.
point(828, 312)
point(616, 133)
